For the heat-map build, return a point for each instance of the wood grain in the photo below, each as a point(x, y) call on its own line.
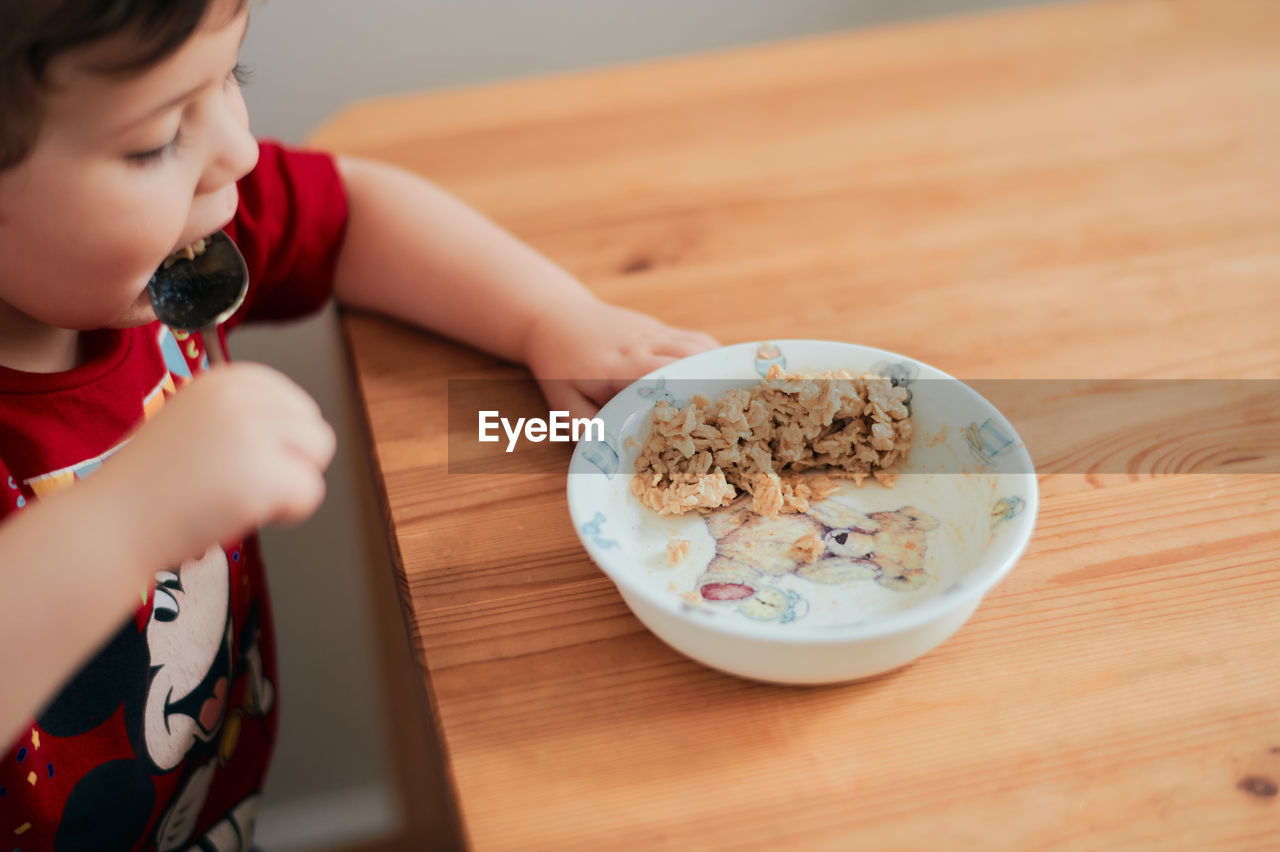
point(1082, 191)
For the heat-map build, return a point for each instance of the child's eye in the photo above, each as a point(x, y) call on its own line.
point(240, 75)
point(155, 155)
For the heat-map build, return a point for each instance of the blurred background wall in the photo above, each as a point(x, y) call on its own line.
point(345, 667)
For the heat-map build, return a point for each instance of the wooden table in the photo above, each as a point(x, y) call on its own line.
point(1088, 191)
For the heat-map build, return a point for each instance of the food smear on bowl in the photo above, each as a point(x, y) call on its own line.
point(769, 442)
point(677, 550)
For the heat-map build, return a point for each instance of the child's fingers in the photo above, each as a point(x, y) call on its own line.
point(274, 391)
point(682, 344)
point(299, 490)
point(600, 391)
point(314, 441)
point(293, 414)
point(658, 358)
point(700, 339)
point(563, 396)
point(595, 391)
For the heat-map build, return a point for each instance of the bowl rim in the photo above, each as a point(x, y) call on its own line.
point(980, 580)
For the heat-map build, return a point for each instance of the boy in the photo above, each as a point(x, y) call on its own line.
point(123, 139)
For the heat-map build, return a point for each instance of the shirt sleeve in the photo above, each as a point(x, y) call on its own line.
point(289, 226)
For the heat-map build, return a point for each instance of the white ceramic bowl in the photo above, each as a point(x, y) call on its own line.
point(966, 499)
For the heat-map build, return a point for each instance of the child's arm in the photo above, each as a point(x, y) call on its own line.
point(239, 447)
point(71, 567)
point(416, 253)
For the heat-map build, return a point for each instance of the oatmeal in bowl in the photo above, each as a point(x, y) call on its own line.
point(839, 510)
point(761, 441)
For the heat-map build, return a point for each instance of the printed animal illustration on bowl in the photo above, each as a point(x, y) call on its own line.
point(1006, 509)
point(987, 441)
point(766, 356)
point(832, 544)
point(603, 454)
point(594, 530)
point(658, 392)
point(771, 603)
point(900, 374)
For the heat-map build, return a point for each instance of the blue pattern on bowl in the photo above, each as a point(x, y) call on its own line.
point(593, 528)
point(602, 454)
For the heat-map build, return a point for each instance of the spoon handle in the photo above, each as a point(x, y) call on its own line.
point(213, 345)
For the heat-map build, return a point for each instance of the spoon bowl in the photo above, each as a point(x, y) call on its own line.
point(201, 293)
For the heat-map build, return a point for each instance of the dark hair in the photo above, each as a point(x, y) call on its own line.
point(35, 32)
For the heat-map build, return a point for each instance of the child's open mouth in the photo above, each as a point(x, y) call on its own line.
point(187, 252)
point(200, 285)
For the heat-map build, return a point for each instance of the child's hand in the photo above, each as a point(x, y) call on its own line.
point(583, 354)
point(240, 447)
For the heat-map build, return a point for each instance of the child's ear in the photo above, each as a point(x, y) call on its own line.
point(98, 690)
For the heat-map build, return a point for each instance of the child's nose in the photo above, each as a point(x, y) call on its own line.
point(233, 154)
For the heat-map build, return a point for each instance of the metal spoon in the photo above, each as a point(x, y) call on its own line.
point(201, 293)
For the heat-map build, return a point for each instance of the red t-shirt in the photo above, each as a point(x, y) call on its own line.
point(163, 739)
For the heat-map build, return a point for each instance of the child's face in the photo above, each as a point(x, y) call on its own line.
point(125, 171)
